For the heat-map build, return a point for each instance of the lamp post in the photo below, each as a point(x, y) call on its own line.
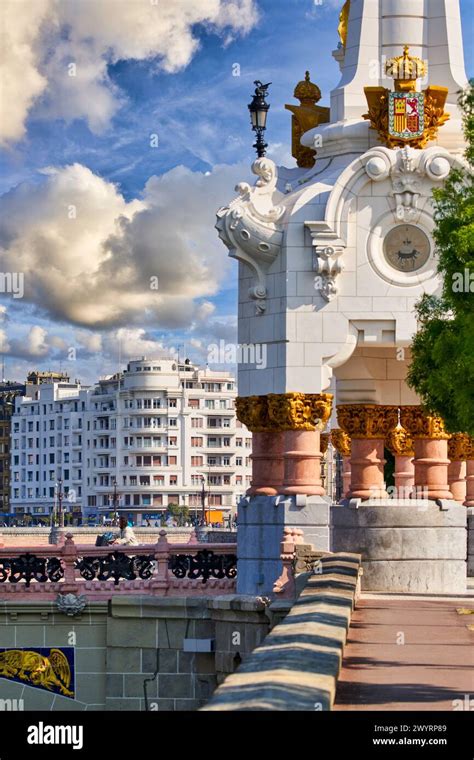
point(258, 115)
point(114, 499)
point(60, 503)
point(203, 501)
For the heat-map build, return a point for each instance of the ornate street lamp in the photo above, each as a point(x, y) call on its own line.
point(258, 115)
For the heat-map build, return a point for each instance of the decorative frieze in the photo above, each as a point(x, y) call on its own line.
point(422, 425)
point(284, 411)
point(367, 420)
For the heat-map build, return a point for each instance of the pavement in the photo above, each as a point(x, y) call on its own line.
point(409, 653)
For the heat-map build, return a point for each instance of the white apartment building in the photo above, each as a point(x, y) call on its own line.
point(153, 433)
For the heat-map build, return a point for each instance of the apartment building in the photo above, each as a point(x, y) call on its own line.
point(160, 430)
point(153, 434)
point(8, 392)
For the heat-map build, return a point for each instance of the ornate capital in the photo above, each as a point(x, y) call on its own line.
point(367, 420)
point(324, 442)
point(421, 425)
point(341, 442)
point(327, 248)
point(285, 411)
point(399, 442)
point(460, 447)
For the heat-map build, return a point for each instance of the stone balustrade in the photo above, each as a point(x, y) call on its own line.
point(101, 572)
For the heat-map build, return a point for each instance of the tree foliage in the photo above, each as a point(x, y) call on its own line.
point(442, 366)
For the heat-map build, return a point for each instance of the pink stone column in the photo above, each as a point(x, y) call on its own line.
point(431, 469)
point(469, 483)
point(302, 463)
point(267, 463)
point(404, 476)
point(346, 476)
point(457, 480)
point(367, 463)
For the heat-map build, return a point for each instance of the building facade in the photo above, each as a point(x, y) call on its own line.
point(161, 434)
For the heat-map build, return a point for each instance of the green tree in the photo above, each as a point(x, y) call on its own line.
point(442, 366)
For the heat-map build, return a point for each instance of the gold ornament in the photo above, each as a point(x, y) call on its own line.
point(52, 672)
point(344, 22)
point(284, 411)
point(421, 425)
point(399, 442)
point(406, 116)
point(367, 420)
point(324, 442)
point(305, 117)
point(459, 447)
point(341, 442)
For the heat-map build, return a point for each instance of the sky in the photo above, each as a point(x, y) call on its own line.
point(123, 128)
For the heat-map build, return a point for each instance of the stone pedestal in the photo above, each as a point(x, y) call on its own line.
point(267, 463)
point(416, 547)
point(261, 521)
point(457, 480)
point(302, 463)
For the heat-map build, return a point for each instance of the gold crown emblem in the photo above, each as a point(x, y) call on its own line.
point(405, 70)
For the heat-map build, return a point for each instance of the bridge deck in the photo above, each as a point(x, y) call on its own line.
point(433, 667)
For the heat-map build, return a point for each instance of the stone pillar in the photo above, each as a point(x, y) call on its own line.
point(367, 425)
point(458, 452)
point(431, 453)
point(400, 444)
point(301, 416)
point(470, 474)
point(342, 443)
point(267, 446)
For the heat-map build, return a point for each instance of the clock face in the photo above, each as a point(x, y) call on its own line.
point(406, 248)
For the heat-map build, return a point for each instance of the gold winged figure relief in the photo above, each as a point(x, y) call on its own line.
point(51, 672)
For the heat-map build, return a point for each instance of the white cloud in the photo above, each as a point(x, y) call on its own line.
point(43, 38)
point(92, 259)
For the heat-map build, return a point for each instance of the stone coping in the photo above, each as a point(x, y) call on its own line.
point(297, 665)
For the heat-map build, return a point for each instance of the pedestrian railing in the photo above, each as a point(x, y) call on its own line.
point(99, 572)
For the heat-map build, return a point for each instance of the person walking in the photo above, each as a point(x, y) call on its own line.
point(126, 536)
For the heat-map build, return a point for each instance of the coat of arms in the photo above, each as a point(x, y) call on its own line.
point(406, 116)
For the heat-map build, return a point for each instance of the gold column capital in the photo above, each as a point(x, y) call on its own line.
point(324, 442)
point(367, 420)
point(284, 411)
point(422, 425)
point(460, 447)
point(341, 442)
point(399, 442)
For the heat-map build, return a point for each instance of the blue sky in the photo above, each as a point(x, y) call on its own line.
point(198, 110)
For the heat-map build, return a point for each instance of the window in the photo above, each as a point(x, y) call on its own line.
point(197, 422)
point(172, 441)
point(158, 480)
point(215, 500)
point(156, 403)
point(196, 461)
point(195, 441)
point(210, 404)
point(226, 461)
point(173, 422)
point(238, 480)
point(193, 403)
point(238, 461)
point(173, 480)
point(238, 441)
point(172, 402)
point(172, 460)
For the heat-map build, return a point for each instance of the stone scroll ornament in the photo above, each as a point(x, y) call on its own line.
point(250, 226)
point(406, 116)
point(367, 420)
point(285, 411)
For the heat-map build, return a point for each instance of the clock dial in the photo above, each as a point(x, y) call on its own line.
point(406, 248)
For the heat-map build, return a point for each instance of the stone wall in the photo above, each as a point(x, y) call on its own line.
point(178, 649)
